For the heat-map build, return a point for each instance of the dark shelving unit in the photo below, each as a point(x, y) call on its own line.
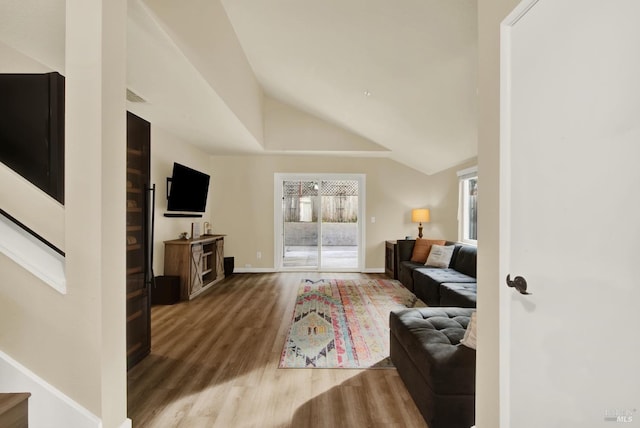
point(139, 239)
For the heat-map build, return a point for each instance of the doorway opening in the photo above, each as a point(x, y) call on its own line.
point(318, 222)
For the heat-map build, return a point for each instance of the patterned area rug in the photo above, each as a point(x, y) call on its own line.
point(343, 323)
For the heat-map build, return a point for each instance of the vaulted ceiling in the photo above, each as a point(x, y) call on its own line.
point(394, 79)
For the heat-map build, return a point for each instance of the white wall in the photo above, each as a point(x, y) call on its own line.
point(243, 202)
point(291, 129)
point(241, 197)
point(95, 223)
point(14, 61)
point(48, 407)
point(490, 14)
point(77, 342)
point(26, 202)
point(202, 31)
point(165, 150)
point(21, 27)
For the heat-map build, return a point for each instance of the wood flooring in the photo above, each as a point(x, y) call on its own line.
point(214, 363)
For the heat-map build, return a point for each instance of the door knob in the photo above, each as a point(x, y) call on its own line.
point(519, 283)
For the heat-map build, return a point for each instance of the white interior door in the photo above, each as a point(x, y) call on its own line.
point(570, 214)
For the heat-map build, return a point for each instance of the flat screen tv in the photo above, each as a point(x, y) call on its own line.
point(32, 129)
point(187, 189)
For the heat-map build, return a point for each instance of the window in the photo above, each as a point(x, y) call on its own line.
point(468, 205)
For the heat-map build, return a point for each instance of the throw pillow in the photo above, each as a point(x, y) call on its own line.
point(469, 338)
point(422, 247)
point(440, 256)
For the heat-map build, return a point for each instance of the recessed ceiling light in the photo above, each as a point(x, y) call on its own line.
point(367, 93)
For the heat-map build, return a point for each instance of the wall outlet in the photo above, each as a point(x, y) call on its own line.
point(373, 219)
point(247, 266)
point(259, 255)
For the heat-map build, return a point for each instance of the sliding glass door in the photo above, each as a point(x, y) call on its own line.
point(300, 226)
point(318, 222)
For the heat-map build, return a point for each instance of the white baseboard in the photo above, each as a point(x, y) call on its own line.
point(48, 406)
point(272, 270)
point(253, 270)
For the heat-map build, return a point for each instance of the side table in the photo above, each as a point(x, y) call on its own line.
point(390, 267)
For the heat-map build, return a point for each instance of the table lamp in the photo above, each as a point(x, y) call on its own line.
point(420, 215)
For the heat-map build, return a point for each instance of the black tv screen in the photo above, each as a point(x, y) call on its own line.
point(32, 129)
point(188, 189)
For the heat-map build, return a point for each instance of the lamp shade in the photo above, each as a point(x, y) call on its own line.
point(420, 215)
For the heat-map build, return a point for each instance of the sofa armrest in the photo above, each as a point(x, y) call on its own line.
point(404, 250)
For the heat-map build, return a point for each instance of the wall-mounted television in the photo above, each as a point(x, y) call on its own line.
point(187, 190)
point(32, 129)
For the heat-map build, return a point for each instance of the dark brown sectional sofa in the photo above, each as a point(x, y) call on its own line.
point(438, 371)
point(452, 286)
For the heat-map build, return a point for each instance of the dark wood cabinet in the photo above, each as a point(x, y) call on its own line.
point(139, 241)
point(390, 259)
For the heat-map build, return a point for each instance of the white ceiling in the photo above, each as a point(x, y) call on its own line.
point(416, 58)
point(179, 98)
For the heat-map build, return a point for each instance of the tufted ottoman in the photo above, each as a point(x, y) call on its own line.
point(438, 371)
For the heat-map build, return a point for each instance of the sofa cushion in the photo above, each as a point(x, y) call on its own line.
point(422, 247)
point(431, 338)
point(470, 338)
point(427, 280)
point(440, 256)
point(460, 294)
point(465, 260)
point(405, 274)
